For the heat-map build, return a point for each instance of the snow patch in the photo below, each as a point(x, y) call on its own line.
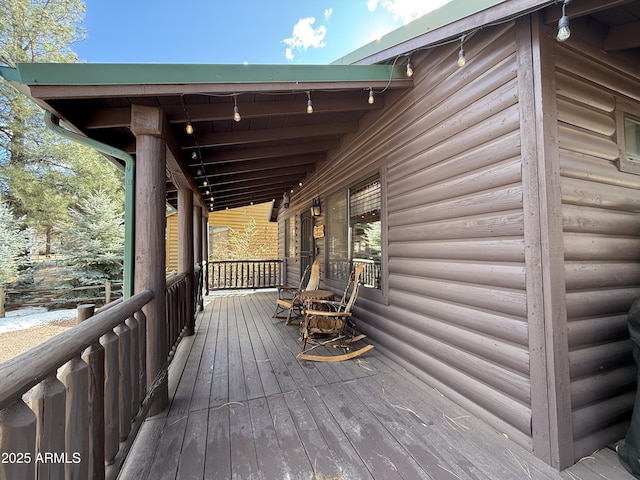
point(33, 317)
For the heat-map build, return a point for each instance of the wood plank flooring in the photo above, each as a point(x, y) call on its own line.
point(244, 407)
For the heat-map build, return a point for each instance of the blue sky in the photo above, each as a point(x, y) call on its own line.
point(238, 31)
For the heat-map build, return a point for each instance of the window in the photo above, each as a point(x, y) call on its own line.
point(354, 232)
point(632, 137)
point(290, 237)
point(628, 127)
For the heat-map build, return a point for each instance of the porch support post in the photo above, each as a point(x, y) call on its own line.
point(205, 253)
point(185, 250)
point(146, 124)
point(197, 247)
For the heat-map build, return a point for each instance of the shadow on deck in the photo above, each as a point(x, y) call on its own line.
point(243, 406)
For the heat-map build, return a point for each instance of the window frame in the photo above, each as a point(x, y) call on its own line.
point(626, 110)
point(290, 236)
point(379, 295)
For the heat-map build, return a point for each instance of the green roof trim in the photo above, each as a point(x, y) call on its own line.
point(449, 13)
point(163, 74)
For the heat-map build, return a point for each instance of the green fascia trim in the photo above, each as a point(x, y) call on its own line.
point(448, 13)
point(164, 74)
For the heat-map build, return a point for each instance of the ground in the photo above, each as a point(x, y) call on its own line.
point(14, 343)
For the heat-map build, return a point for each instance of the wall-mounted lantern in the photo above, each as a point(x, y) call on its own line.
point(285, 200)
point(315, 207)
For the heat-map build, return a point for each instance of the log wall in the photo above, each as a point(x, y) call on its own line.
point(453, 307)
point(601, 232)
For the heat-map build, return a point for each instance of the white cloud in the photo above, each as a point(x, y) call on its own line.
point(406, 10)
point(327, 13)
point(305, 36)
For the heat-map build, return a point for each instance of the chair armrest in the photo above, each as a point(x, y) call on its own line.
point(322, 313)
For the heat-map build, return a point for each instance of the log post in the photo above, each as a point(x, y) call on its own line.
point(3, 299)
point(109, 342)
point(75, 376)
point(185, 251)
point(205, 255)
point(142, 352)
point(107, 292)
point(147, 125)
point(18, 441)
point(47, 400)
point(124, 399)
point(197, 254)
point(134, 365)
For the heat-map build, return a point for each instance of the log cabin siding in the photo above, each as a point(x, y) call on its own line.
point(601, 233)
point(453, 307)
point(461, 318)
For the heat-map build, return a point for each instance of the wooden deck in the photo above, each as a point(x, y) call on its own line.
point(244, 407)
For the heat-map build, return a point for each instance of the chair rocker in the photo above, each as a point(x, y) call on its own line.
point(333, 326)
point(289, 297)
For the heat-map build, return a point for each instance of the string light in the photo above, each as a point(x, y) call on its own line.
point(309, 104)
point(461, 57)
point(194, 155)
point(409, 69)
point(371, 99)
point(189, 128)
point(563, 24)
point(236, 112)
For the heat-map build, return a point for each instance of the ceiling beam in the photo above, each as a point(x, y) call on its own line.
point(257, 165)
point(272, 134)
point(121, 116)
point(211, 158)
point(237, 177)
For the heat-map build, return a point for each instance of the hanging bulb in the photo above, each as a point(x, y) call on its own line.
point(236, 112)
point(199, 172)
point(371, 99)
point(207, 192)
point(563, 24)
point(409, 69)
point(194, 155)
point(205, 183)
point(461, 58)
point(309, 104)
point(189, 128)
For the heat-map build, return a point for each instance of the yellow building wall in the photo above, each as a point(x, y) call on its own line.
point(265, 231)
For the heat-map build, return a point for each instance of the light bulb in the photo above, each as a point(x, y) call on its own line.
point(563, 28)
point(309, 104)
point(189, 129)
point(194, 155)
point(371, 99)
point(461, 58)
point(205, 183)
point(236, 114)
point(409, 70)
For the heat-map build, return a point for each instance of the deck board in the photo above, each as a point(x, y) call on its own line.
point(243, 406)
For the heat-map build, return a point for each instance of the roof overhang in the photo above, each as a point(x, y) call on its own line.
point(271, 150)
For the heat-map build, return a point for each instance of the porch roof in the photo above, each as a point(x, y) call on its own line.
point(274, 146)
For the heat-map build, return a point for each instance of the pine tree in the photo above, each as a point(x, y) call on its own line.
point(14, 246)
point(94, 240)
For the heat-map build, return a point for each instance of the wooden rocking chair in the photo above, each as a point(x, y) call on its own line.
point(333, 328)
point(289, 297)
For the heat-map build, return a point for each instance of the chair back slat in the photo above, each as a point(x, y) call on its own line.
point(314, 277)
point(356, 287)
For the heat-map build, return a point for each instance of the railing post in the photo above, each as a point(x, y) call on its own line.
point(47, 400)
point(18, 441)
point(75, 376)
point(109, 342)
point(94, 357)
point(124, 399)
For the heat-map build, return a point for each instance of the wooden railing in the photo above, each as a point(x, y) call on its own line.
point(71, 407)
point(239, 274)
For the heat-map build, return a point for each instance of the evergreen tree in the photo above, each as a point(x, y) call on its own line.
point(94, 240)
point(14, 246)
point(42, 174)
